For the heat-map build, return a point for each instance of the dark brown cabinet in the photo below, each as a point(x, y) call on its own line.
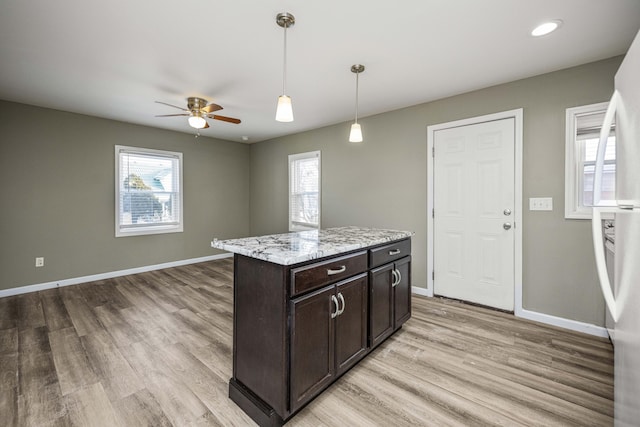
point(328, 335)
point(351, 324)
point(312, 344)
point(381, 302)
point(297, 328)
point(389, 290)
point(402, 292)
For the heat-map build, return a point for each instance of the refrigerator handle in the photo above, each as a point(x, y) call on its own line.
point(605, 130)
point(601, 266)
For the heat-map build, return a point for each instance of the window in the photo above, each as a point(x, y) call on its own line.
point(304, 191)
point(148, 191)
point(583, 126)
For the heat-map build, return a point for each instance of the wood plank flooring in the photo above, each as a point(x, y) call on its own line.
point(155, 349)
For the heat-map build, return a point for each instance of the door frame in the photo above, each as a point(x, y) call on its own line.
point(517, 115)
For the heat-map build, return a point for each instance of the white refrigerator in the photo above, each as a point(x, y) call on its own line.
point(623, 296)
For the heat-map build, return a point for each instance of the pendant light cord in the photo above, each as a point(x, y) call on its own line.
point(357, 76)
point(284, 72)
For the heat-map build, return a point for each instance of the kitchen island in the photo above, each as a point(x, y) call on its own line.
point(307, 307)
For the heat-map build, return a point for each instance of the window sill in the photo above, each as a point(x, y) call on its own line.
point(149, 230)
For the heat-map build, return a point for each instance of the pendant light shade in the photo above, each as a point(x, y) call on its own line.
point(284, 111)
point(356, 131)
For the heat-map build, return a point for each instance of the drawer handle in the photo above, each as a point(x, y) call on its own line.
point(394, 252)
point(342, 269)
point(341, 298)
point(335, 301)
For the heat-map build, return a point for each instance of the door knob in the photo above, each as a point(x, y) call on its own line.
point(506, 225)
point(506, 212)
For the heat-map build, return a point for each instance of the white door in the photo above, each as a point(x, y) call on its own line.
point(474, 205)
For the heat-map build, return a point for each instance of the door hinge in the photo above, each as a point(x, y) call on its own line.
point(433, 213)
point(433, 275)
point(433, 151)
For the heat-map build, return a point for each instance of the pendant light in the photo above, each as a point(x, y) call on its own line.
point(284, 112)
point(356, 131)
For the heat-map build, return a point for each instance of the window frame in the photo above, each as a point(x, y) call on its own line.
point(293, 158)
point(573, 208)
point(123, 231)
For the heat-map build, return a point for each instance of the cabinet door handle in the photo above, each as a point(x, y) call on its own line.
point(341, 298)
point(398, 277)
point(335, 301)
point(331, 272)
point(394, 252)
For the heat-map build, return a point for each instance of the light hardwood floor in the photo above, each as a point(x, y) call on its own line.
point(155, 349)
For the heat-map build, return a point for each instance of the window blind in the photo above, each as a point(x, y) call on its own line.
point(588, 125)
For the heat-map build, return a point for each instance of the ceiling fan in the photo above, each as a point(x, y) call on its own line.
point(198, 111)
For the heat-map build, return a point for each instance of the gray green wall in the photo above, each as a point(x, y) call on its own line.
point(383, 182)
point(57, 174)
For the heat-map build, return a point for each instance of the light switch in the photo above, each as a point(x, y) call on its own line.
point(541, 203)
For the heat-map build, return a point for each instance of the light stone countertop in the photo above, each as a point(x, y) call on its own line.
point(300, 246)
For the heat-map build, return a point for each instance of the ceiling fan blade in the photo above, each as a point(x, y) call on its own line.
point(224, 118)
point(172, 115)
point(206, 125)
point(211, 108)
point(170, 105)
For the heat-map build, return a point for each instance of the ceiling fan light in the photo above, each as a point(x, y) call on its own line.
point(356, 133)
point(197, 122)
point(284, 111)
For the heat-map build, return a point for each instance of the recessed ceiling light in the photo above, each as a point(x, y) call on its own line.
point(546, 28)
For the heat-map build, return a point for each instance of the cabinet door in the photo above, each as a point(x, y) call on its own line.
point(402, 292)
point(380, 304)
point(351, 324)
point(312, 336)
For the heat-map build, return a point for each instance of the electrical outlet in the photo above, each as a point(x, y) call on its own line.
point(39, 261)
point(541, 204)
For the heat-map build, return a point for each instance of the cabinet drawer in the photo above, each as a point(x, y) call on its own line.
point(389, 253)
point(313, 276)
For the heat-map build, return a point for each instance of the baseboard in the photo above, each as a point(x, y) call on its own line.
point(108, 275)
point(561, 322)
point(419, 291)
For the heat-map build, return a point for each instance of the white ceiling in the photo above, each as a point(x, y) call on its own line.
point(114, 58)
